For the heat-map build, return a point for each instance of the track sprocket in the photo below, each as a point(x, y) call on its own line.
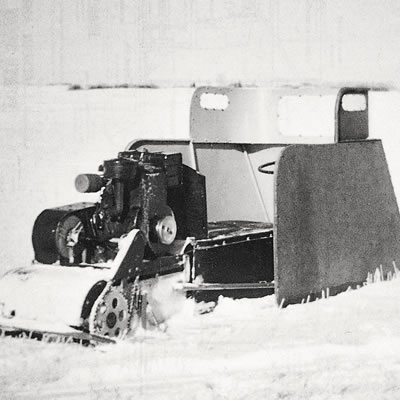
point(110, 315)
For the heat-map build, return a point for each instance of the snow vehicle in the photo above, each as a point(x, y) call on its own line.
point(237, 209)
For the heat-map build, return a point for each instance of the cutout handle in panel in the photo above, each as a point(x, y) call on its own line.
point(351, 119)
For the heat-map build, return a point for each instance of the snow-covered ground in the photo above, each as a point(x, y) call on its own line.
point(343, 347)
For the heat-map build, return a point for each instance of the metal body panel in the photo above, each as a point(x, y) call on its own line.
point(237, 257)
point(231, 192)
point(258, 155)
point(235, 189)
point(235, 252)
point(189, 204)
point(336, 218)
point(248, 261)
point(243, 120)
point(244, 115)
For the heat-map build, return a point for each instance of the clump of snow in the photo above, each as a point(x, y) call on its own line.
point(164, 301)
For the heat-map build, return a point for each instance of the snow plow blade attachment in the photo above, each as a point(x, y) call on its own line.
point(336, 218)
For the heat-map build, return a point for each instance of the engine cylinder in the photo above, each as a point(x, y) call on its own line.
point(119, 168)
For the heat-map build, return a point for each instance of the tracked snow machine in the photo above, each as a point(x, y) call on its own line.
point(237, 209)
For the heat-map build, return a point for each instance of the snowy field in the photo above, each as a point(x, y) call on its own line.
point(343, 347)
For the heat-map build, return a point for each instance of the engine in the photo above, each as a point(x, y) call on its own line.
point(153, 192)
